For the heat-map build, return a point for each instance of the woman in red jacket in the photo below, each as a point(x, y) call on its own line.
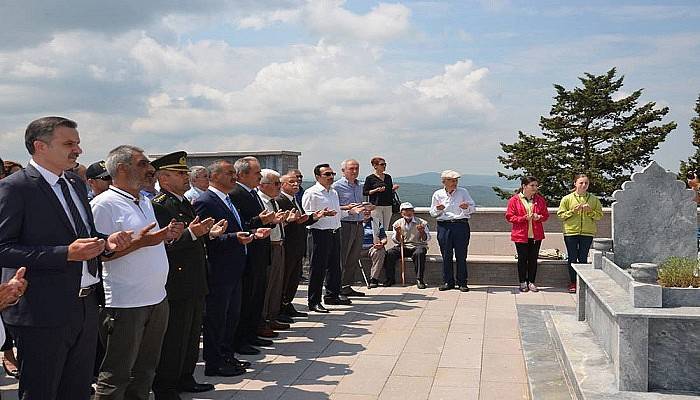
point(527, 210)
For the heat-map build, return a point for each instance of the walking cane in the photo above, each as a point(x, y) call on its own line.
point(403, 263)
point(363, 273)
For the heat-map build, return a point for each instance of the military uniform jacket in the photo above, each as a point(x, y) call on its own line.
point(187, 277)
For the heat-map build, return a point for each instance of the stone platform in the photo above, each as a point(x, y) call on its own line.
point(395, 343)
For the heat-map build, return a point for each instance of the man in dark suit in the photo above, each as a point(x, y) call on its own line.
point(187, 281)
point(295, 241)
point(46, 225)
point(253, 215)
point(227, 260)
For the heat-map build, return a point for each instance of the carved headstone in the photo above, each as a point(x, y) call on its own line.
point(654, 217)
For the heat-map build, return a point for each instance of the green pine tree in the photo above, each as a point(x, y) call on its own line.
point(693, 163)
point(587, 132)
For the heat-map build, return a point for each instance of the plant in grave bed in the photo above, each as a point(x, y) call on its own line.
point(679, 272)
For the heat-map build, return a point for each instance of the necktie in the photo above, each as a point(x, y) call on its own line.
point(229, 203)
point(257, 199)
point(80, 228)
point(275, 208)
point(233, 210)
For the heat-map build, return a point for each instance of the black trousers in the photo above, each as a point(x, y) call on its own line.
point(57, 362)
point(417, 254)
point(221, 318)
point(254, 283)
point(325, 264)
point(180, 351)
point(527, 260)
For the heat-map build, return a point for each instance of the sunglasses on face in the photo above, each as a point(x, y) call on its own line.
point(383, 164)
point(328, 174)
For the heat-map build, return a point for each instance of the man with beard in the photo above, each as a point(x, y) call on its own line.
point(135, 315)
point(187, 281)
point(46, 225)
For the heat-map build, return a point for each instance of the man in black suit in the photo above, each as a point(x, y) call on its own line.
point(46, 225)
point(227, 260)
point(295, 241)
point(253, 215)
point(187, 279)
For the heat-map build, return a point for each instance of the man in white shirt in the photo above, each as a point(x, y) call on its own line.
point(452, 206)
point(325, 253)
point(135, 315)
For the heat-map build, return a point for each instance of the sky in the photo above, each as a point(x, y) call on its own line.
point(429, 85)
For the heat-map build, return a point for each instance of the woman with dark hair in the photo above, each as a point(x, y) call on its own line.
point(527, 210)
point(380, 189)
point(579, 212)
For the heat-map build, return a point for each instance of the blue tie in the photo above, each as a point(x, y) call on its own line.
point(233, 210)
point(238, 218)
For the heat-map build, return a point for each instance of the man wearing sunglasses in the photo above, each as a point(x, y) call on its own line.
point(325, 253)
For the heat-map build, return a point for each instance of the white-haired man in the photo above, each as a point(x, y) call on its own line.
point(199, 182)
point(452, 206)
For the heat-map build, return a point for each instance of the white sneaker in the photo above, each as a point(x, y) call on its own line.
point(532, 287)
point(523, 287)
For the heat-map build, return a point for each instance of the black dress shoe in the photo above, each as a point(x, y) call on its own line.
point(195, 387)
point(389, 283)
point(337, 301)
point(350, 292)
point(285, 319)
point(373, 283)
point(247, 350)
point(420, 284)
point(167, 394)
point(292, 312)
point(234, 361)
point(446, 286)
point(463, 288)
point(226, 370)
point(318, 308)
point(262, 342)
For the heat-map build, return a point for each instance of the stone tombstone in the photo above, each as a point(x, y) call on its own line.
point(654, 217)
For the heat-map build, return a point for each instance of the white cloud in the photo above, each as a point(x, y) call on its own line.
point(332, 20)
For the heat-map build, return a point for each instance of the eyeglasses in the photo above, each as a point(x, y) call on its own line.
point(272, 183)
point(328, 174)
point(106, 178)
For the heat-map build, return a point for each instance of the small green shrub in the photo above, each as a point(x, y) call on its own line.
point(679, 272)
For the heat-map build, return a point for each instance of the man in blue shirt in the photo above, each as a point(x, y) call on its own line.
point(351, 205)
point(374, 240)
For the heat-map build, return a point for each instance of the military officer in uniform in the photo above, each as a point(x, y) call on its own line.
point(187, 280)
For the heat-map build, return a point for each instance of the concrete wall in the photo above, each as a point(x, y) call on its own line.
point(492, 219)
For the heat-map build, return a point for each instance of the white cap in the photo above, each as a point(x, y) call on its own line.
point(406, 206)
point(448, 173)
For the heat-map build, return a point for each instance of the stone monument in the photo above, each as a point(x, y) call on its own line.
point(654, 217)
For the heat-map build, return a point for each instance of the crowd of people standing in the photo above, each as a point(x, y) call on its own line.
point(108, 280)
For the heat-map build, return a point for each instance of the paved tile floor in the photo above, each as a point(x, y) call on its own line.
point(396, 343)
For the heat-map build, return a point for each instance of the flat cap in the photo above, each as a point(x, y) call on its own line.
point(176, 161)
point(450, 174)
point(406, 206)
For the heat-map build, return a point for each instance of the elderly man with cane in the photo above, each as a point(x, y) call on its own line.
point(411, 234)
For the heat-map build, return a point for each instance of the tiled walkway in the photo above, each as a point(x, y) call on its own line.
point(395, 343)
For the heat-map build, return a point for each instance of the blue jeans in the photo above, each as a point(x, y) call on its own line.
point(577, 247)
point(454, 241)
